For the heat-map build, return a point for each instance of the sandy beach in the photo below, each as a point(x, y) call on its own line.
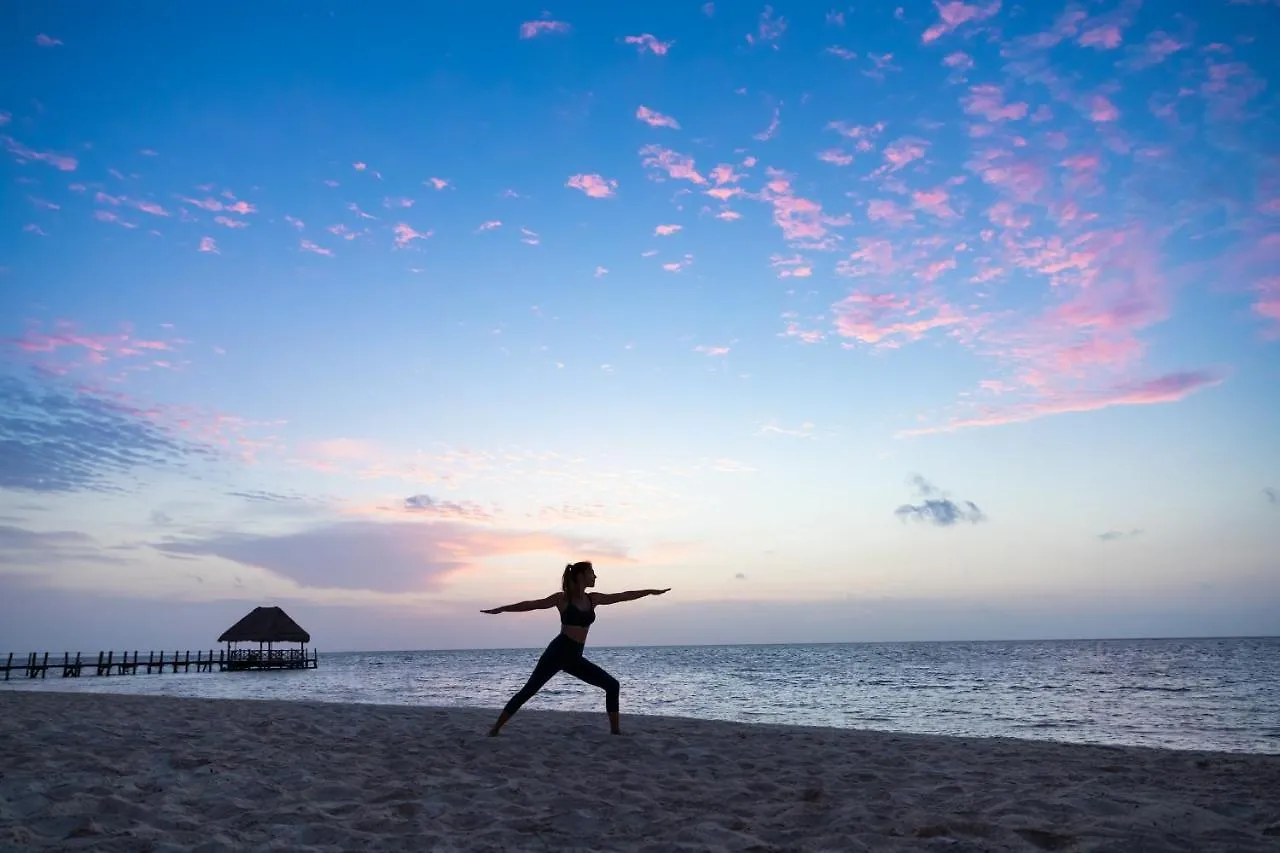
point(129, 773)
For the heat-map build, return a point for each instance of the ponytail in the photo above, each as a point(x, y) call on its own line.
point(571, 572)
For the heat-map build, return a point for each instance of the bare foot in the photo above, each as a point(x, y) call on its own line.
point(493, 732)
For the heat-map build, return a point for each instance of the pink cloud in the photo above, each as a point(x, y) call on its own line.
point(677, 266)
point(601, 271)
point(1105, 37)
point(902, 152)
point(884, 210)
point(228, 222)
point(666, 230)
point(1158, 47)
point(296, 223)
point(959, 61)
point(889, 320)
point(1169, 388)
point(724, 174)
point(1267, 303)
point(210, 204)
point(360, 167)
point(208, 244)
point(799, 218)
point(677, 166)
point(835, 156)
point(792, 267)
point(593, 185)
point(874, 256)
point(47, 41)
point(954, 15)
point(713, 352)
point(768, 29)
point(405, 235)
point(931, 272)
point(392, 202)
point(438, 183)
point(1102, 110)
point(656, 119)
point(490, 225)
point(151, 208)
point(113, 217)
point(62, 162)
point(934, 201)
point(308, 246)
point(649, 43)
point(987, 101)
point(772, 130)
point(841, 52)
point(533, 29)
point(729, 215)
point(241, 207)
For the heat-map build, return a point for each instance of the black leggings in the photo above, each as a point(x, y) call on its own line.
point(565, 653)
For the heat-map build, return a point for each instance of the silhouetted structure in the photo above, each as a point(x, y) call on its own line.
point(267, 626)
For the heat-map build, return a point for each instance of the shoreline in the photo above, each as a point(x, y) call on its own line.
point(118, 771)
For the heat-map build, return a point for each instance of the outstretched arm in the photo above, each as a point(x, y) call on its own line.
point(534, 604)
point(630, 595)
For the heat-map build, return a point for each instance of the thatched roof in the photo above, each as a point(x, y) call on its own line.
point(265, 625)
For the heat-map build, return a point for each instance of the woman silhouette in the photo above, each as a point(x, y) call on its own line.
point(577, 611)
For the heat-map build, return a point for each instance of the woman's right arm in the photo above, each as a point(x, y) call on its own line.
point(523, 606)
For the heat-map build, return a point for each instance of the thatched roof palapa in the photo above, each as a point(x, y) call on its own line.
point(265, 625)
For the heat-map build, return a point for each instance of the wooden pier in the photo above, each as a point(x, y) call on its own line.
point(236, 660)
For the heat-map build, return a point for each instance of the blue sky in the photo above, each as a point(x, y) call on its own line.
point(918, 321)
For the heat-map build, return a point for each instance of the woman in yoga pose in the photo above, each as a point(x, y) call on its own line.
point(577, 611)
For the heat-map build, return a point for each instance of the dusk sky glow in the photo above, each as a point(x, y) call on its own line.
point(875, 322)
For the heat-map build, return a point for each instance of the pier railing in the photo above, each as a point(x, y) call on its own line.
point(37, 665)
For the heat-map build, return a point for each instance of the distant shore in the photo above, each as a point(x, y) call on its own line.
point(111, 772)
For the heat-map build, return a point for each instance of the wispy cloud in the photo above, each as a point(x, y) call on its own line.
point(208, 244)
point(438, 183)
point(656, 119)
point(593, 185)
point(953, 15)
point(936, 508)
point(1165, 389)
point(675, 165)
point(533, 29)
point(1116, 535)
point(769, 28)
point(402, 556)
point(56, 440)
point(712, 351)
point(666, 230)
point(646, 42)
point(47, 41)
point(23, 154)
point(308, 246)
point(406, 234)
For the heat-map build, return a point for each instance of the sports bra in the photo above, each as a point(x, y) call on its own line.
point(573, 615)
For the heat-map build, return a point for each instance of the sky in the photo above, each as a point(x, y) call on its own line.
point(874, 322)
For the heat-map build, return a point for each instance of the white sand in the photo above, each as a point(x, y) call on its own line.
point(132, 773)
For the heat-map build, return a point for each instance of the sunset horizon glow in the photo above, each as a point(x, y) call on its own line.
point(925, 321)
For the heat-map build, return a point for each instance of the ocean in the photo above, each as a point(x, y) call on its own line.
point(1215, 694)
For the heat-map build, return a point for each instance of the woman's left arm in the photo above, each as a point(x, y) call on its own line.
point(629, 595)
